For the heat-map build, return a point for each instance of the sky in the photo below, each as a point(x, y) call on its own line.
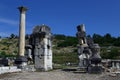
point(62, 16)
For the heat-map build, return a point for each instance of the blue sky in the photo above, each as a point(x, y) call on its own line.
point(62, 16)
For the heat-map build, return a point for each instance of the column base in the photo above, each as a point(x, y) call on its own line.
point(21, 61)
point(95, 69)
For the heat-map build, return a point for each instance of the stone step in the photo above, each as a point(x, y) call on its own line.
point(81, 70)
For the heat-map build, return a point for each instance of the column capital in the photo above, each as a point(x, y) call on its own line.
point(22, 8)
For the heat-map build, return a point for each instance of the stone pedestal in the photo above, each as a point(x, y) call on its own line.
point(21, 61)
point(94, 69)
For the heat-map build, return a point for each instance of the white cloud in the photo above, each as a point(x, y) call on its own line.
point(8, 21)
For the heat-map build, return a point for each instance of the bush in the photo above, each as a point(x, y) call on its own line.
point(69, 41)
point(59, 37)
point(112, 54)
point(2, 54)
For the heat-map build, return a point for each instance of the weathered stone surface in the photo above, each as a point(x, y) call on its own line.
point(40, 40)
point(22, 30)
point(88, 52)
point(9, 69)
point(83, 50)
point(21, 59)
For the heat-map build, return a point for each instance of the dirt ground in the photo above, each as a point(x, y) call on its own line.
point(57, 75)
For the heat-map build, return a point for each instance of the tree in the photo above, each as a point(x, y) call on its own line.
point(16, 36)
point(108, 38)
point(97, 39)
point(116, 42)
point(59, 37)
point(27, 36)
point(12, 36)
point(69, 41)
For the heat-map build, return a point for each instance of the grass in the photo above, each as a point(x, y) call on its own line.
point(63, 58)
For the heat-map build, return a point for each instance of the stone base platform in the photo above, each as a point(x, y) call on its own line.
point(9, 69)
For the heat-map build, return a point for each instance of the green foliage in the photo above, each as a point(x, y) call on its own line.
point(112, 53)
point(69, 41)
point(2, 54)
point(97, 38)
point(5, 48)
point(27, 36)
point(106, 40)
point(10, 55)
point(59, 37)
point(62, 58)
point(117, 42)
point(12, 36)
point(10, 46)
point(15, 51)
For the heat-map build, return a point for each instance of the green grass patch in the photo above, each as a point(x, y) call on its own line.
point(63, 58)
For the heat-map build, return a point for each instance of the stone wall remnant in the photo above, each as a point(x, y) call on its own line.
point(41, 42)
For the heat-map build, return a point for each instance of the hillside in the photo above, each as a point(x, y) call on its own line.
point(63, 52)
point(8, 47)
point(64, 48)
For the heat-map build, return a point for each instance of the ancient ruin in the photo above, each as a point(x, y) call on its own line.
point(111, 65)
point(40, 47)
point(37, 54)
point(88, 52)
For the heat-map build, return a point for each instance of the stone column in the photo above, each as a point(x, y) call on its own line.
point(22, 31)
point(21, 59)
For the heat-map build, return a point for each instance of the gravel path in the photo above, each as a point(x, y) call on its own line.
point(56, 75)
